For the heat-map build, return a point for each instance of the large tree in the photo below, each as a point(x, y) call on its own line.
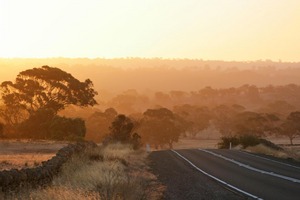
point(97, 125)
point(196, 118)
point(223, 119)
point(160, 126)
point(291, 126)
point(255, 124)
point(43, 88)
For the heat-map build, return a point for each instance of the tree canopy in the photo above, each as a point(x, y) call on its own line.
point(160, 126)
point(291, 126)
point(43, 88)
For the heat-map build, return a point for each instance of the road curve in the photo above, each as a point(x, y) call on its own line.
point(258, 177)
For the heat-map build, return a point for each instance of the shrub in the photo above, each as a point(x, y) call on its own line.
point(248, 140)
point(245, 141)
point(121, 130)
point(270, 144)
point(225, 142)
point(46, 125)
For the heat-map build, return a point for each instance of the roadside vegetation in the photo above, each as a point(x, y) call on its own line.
point(288, 153)
point(258, 145)
point(115, 171)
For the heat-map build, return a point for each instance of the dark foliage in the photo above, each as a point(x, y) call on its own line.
point(248, 140)
point(225, 142)
point(291, 126)
point(44, 124)
point(270, 144)
point(245, 141)
point(160, 127)
point(122, 130)
point(1, 130)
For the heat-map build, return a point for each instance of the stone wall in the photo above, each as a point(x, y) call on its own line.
point(41, 175)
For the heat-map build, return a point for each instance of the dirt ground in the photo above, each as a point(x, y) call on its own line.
point(23, 153)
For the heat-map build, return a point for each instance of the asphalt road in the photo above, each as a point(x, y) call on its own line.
point(246, 174)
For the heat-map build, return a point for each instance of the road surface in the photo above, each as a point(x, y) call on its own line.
point(225, 174)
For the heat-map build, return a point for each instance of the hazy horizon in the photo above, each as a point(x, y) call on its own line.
point(118, 75)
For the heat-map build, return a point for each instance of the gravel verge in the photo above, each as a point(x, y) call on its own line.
point(182, 181)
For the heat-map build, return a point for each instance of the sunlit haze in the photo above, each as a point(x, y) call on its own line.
point(201, 29)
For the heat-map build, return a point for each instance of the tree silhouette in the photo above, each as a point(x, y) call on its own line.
point(122, 130)
point(1, 130)
point(196, 118)
point(44, 124)
point(291, 126)
point(43, 88)
point(160, 126)
point(255, 124)
point(98, 124)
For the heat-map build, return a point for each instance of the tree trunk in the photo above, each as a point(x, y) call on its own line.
point(171, 145)
point(291, 140)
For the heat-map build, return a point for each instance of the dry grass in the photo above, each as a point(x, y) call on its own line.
point(188, 143)
point(113, 172)
point(291, 152)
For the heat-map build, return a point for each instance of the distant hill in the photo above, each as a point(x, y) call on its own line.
point(115, 75)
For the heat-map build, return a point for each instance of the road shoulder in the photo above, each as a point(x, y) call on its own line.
point(184, 182)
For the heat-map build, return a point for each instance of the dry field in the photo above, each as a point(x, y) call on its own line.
point(24, 153)
point(187, 143)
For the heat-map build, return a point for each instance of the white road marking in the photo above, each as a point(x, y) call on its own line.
point(252, 168)
point(270, 160)
point(215, 178)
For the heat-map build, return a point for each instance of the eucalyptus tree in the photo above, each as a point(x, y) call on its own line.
point(43, 88)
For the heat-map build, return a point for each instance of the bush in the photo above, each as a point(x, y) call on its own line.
point(245, 141)
point(45, 124)
point(270, 144)
point(225, 142)
point(121, 130)
point(248, 140)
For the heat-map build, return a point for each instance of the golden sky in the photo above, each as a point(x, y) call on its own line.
point(203, 29)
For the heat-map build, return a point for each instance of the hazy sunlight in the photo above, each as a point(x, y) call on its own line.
point(204, 29)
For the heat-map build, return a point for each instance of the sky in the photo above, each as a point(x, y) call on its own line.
point(240, 30)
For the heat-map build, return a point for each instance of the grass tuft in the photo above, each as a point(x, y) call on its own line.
point(284, 154)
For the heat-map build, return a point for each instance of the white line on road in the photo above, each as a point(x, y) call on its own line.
point(270, 160)
point(215, 178)
point(252, 168)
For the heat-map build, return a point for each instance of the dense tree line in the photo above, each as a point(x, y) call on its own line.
point(162, 127)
